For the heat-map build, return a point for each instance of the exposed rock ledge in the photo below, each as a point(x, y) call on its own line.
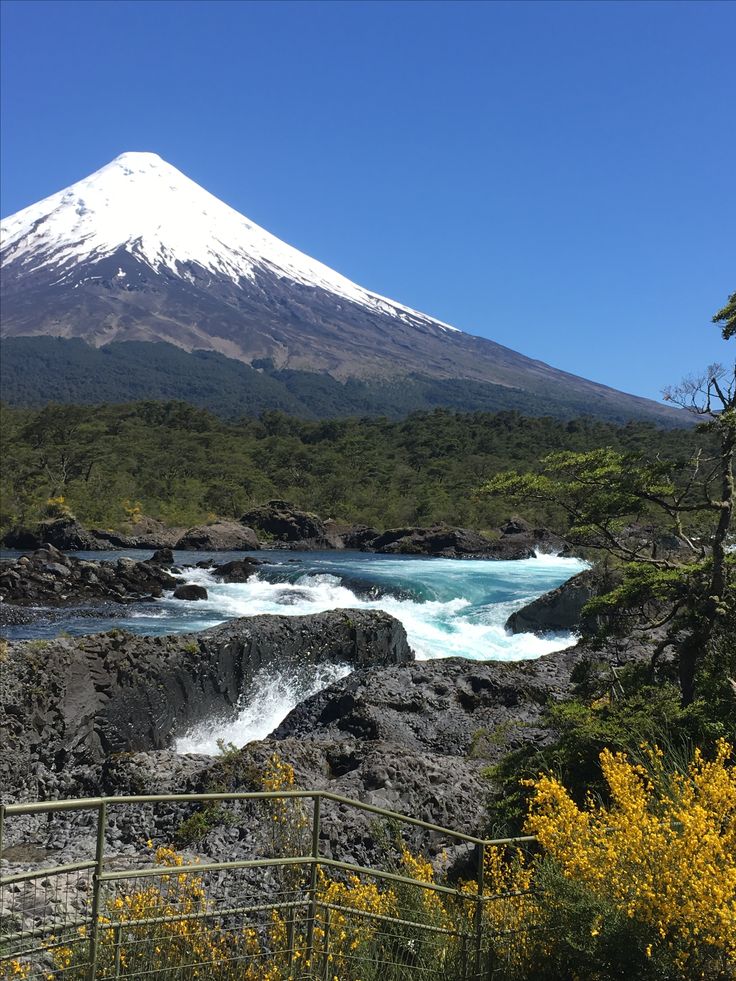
point(98, 714)
point(72, 702)
point(279, 524)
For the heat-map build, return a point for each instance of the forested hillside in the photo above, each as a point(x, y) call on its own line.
point(35, 371)
point(184, 465)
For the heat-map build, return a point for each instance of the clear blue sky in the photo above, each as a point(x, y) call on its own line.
point(560, 177)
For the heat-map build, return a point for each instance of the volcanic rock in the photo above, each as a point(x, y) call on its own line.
point(190, 591)
point(48, 577)
point(562, 608)
point(283, 524)
point(239, 570)
point(220, 536)
point(71, 702)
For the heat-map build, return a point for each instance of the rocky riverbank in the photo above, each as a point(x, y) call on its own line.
point(98, 715)
point(33, 585)
point(73, 702)
point(279, 524)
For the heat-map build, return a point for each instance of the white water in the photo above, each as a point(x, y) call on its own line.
point(457, 608)
point(269, 701)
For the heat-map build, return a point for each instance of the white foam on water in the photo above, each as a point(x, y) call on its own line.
point(462, 625)
point(270, 699)
point(467, 605)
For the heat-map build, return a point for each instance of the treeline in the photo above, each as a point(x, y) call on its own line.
point(185, 465)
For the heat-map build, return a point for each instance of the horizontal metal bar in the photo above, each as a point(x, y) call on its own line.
point(165, 870)
point(47, 870)
point(93, 803)
point(160, 871)
point(394, 877)
point(39, 931)
point(391, 919)
point(213, 914)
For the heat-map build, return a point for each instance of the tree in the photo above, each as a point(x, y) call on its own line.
point(621, 504)
point(727, 317)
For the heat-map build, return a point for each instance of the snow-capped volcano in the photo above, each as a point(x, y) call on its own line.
point(142, 205)
point(139, 252)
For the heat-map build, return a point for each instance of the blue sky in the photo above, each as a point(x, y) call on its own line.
point(559, 177)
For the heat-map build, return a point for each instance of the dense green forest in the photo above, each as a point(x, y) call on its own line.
point(184, 465)
point(37, 370)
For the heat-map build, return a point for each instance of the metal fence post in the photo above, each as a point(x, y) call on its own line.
point(94, 935)
point(309, 955)
point(118, 951)
point(327, 945)
point(479, 910)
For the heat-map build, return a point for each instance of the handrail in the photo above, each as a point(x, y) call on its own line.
point(92, 937)
point(94, 803)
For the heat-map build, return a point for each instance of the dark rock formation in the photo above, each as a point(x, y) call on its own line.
point(63, 533)
point(70, 535)
point(516, 540)
point(144, 533)
point(519, 540)
point(162, 556)
point(190, 591)
point(440, 707)
point(221, 536)
point(239, 570)
point(561, 608)
point(51, 578)
point(281, 524)
point(71, 702)
point(358, 536)
point(439, 541)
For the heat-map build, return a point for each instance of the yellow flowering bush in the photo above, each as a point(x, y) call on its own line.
point(662, 853)
point(15, 969)
point(56, 507)
point(162, 925)
point(288, 816)
point(133, 511)
point(642, 887)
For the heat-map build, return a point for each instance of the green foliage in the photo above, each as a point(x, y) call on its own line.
point(197, 825)
point(621, 503)
point(37, 370)
point(590, 937)
point(186, 466)
point(619, 717)
point(727, 317)
point(604, 490)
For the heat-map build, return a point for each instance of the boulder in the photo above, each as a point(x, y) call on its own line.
point(144, 533)
point(190, 591)
point(63, 533)
point(239, 570)
point(519, 540)
point(221, 536)
point(70, 535)
point(516, 526)
point(561, 608)
point(162, 556)
point(282, 523)
point(439, 541)
point(358, 536)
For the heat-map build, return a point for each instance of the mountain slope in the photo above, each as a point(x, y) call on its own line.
point(138, 252)
point(38, 370)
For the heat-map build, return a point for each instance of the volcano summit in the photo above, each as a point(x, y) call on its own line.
point(139, 252)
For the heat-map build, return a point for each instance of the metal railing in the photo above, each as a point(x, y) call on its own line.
point(293, 911)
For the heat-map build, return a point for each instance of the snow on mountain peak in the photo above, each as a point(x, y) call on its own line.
point(145, 206)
